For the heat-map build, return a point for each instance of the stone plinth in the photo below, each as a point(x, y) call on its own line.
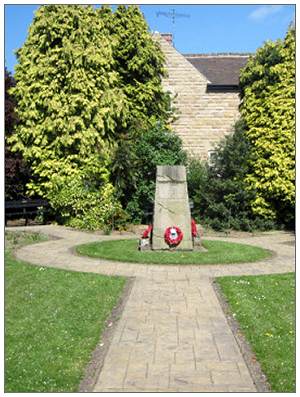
point(171, 207)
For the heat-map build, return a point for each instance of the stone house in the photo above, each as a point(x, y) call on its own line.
point(206, 90)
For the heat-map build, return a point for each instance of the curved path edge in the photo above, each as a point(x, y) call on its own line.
point(173, 334)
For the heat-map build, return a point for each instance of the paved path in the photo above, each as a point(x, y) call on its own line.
point(172, 335)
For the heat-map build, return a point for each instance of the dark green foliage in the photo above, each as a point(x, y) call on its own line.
point(197, 180)
point(10, 103)
point(232, 155)
point(123, 166)
point(17, 175)
point(227, 201)
point(156, 146)
point(16, 172)
point(218, 189)
point(139, 63)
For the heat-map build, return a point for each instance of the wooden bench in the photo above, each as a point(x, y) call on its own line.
point(17, 209)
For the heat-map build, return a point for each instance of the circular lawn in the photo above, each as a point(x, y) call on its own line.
point(218, 252)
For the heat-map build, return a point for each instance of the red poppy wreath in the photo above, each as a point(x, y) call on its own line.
point(173, 236)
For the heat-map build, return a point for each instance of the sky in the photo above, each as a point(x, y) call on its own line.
point(197, 28)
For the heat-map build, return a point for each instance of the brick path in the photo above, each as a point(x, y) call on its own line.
point(172, 335)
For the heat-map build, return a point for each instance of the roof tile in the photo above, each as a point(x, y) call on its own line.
point(219, 69)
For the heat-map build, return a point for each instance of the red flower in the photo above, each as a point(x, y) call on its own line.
point(173, 236)
point(194, 228)
point(147, 232)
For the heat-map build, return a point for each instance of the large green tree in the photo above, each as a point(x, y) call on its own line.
point(88, 82)
point(268, 108)
point(68, 95)
point(140, 64)
point(69, 105)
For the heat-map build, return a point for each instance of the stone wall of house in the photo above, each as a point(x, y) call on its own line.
point(203, 118)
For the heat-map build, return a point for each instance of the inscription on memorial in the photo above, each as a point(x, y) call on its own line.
point(171, 192)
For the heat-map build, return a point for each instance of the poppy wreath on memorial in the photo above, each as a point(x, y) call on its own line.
point(173, 236)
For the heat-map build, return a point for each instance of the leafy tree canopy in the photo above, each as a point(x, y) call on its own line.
point(139, 62)
point(87, 82)
point(68, 98)
point(268, 108)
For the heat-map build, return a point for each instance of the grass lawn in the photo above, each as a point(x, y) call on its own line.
point(218, 252)
point(265, 309)
point(53, 321)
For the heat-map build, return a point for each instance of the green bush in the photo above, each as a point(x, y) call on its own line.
point(156, 146)
point(197, 179)
point(83, 207)
point(218, 189)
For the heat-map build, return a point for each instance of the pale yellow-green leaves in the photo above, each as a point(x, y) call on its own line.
point(68, 97)
point(85, 78)
point(268, 108)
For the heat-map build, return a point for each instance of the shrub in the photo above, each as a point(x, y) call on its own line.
point(156, 146)
point(80, 206)
point(197, 181)
point(218, 190)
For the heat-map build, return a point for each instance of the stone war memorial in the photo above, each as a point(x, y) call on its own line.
point(172, 224)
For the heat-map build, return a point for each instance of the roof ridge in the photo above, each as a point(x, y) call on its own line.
point(217, 54)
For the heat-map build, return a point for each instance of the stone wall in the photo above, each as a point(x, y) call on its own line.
point(204, 118)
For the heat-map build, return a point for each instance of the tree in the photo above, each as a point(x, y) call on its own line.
point(268, 108)
point(16, 171)
point(139, 62)
point(68, 98)
point(87, 83)
point(219, 191)
point(69, 107)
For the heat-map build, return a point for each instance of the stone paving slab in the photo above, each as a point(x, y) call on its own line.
point(173, 334)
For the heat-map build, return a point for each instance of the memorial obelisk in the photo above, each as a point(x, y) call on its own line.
point(171, 207)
